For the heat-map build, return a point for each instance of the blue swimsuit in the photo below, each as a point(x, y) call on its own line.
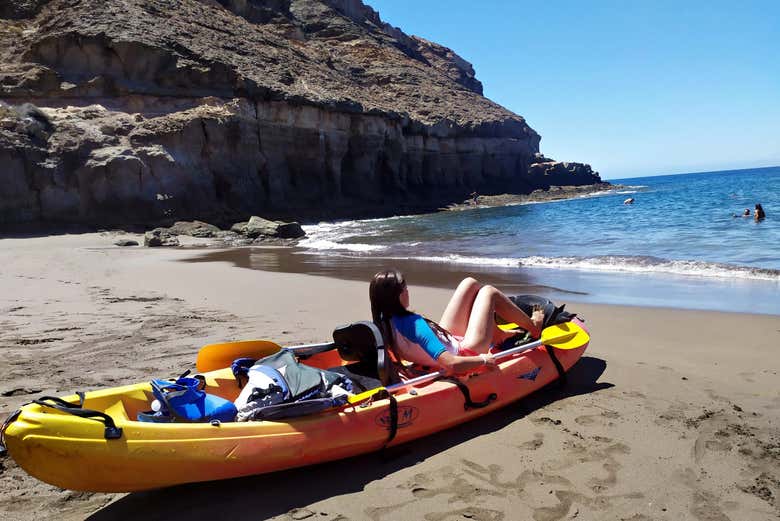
point(417, 330)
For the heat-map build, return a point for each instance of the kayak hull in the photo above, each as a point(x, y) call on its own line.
point(72, 452)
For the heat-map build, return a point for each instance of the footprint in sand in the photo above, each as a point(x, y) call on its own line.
point(454, 483)
point(379, 513)
point(705, 505)
point(721, 446)
point(597, 419)
point(610, 465)
point(20, 391)
point(747, 376)
point(546, 419)
point(534, 444)
point(304, 513)
point(549, 495)
point(477, 514)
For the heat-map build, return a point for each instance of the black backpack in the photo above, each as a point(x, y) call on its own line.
point(552, 314)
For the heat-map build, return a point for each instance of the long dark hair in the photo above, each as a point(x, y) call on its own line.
point(385, 292)
point(760, 212)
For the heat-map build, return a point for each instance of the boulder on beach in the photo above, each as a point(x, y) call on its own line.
point(239, 228)
point(194, 229)
point(160, 237)
point(257, 227)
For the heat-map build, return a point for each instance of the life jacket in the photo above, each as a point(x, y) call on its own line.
point(278, 386)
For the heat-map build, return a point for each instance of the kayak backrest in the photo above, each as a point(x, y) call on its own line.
point(362, 342)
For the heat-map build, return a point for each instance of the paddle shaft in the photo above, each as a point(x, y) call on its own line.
point(503, 354)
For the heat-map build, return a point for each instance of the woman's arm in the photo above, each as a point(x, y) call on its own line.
point(415, 329)
point(461, 364)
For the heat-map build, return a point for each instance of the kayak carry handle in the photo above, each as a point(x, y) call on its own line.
point(112, 432)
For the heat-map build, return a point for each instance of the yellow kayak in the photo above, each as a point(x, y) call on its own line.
point(84, 453)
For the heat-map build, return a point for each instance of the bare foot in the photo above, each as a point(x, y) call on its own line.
point(537, 319)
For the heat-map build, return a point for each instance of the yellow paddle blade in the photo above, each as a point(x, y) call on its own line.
point(565, 336)
point(218, 356)
point(508, 327)
point(365, 395)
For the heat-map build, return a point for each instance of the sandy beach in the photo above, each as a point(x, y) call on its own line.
point(671, 415)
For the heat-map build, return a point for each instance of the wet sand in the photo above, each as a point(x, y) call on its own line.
point(671, 414)
point(573, 286)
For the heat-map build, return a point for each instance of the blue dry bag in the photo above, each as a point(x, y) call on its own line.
point(185, 401)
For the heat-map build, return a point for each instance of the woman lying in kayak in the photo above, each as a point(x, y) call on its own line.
point(462, 339)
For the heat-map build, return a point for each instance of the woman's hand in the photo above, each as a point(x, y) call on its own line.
point(463, 364)
point(489, 361)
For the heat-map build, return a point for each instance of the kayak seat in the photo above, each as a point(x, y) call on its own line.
point(362, 343)
point(362, 377)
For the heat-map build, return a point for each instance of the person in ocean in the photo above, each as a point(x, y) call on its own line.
point(462, 339)
point(759, 215)
point(630, 200)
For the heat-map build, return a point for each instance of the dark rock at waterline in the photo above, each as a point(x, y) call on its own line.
point(256, 229)
point(126, 242)
point(259, 227)
point(239, 228)
point(291, 230)
point(149, 111)
point(160, 237)
point(194, 229)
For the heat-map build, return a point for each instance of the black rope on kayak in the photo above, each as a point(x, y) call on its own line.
point(393, 427)
point(470, 404)
point(112, 432)
point(561, 371)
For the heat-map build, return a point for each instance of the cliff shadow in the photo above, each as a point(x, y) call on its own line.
point(269, 495)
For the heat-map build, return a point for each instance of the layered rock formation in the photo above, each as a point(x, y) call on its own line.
point(143, 111)
point(546, 172)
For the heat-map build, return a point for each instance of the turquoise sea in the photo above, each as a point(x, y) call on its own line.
point(678, 245)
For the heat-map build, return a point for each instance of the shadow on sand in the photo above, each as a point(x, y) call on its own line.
point(269, 495)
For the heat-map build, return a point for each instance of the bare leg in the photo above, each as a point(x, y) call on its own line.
point(455, 318)
point(482, 329)
point(507, 310)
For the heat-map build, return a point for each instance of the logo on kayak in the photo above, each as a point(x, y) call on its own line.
point(531, 375)
point(406, 416)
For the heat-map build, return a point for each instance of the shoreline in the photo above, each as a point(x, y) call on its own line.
point(656, 290)
point(688, 396)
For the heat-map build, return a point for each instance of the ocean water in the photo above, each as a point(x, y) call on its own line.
point(678, 245)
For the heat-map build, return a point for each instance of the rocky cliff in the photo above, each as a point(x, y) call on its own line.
point(141, 111)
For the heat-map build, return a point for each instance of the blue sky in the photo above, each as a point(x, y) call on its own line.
point(634, 87)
